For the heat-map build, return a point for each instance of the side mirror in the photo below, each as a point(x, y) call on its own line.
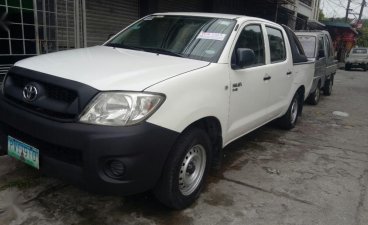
point(244, 57)
point(321, 53)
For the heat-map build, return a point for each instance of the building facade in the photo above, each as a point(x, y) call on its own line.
point(31, 27)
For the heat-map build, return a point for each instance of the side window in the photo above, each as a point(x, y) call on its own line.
point(320, 46)
point(277, 44)
point(320, 43)
point(327, 47)
point(251, 37)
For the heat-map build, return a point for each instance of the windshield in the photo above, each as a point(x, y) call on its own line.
point(309, 45)
point(199, 38)
point(359, 51)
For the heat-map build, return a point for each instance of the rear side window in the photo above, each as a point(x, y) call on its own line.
point(251, 37)
point(329, 47)
point(277, 44)
point(320, 44)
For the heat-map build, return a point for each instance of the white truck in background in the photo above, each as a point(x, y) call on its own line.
point(357, 58)
point(153, 107)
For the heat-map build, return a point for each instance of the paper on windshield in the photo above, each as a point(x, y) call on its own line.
point(211, 36)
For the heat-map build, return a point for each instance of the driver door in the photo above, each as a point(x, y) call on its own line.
point(249, 85)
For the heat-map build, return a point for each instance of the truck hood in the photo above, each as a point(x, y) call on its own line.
point(108, 68)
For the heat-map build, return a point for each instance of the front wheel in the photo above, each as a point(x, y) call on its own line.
point(289, 119)
point(185, 170)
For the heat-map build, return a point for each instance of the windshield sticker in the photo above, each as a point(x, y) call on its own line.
point(210, 52)
point(226, 23)
point(211, 36)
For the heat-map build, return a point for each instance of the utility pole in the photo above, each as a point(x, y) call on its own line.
point(347, 11)
point(361, 10)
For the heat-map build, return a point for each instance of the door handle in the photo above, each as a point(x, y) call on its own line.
point(267, 77)
point(289, 73)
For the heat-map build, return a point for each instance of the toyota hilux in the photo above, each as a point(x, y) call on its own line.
point(153, 107)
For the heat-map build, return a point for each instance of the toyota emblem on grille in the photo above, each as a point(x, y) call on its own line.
point(30, 92)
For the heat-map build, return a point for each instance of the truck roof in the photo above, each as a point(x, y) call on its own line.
point(215, 15)
point(311, 33)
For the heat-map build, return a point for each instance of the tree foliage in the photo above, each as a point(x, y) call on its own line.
point(362, 40)
point(321, 15)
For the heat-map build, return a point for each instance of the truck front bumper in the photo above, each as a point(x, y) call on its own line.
point(82, 154)
point(356, 64)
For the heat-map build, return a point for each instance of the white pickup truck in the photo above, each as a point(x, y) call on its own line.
point(152, 108)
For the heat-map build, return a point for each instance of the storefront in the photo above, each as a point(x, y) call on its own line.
point(343, 37)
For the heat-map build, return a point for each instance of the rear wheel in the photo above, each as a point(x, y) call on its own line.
point(327, 89)
point(347, 67)
point(365, 67)
point(185, 170)
point(289, 119)
point(314, 97)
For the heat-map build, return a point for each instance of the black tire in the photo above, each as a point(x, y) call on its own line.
point(289, 119)
point(365, 67)
point(169, 190)
point(314, 97)
point(347, 67)
point(327, 89)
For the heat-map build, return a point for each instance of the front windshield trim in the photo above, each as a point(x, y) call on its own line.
point(204, 27)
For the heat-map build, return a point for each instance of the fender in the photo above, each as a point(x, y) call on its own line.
point(208, 95)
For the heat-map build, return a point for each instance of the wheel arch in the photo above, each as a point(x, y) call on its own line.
point(301, 91)
point(212, 126)
point(302, 98)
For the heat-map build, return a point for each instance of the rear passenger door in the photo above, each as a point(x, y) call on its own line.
point(279, 70)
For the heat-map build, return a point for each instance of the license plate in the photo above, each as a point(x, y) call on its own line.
point(23, 152)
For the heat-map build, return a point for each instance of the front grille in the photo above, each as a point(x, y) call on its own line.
point(60, 94)
point(51, 91)
point(4, 68)
point(57, 98)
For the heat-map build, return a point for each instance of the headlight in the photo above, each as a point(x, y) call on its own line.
point(121, 108)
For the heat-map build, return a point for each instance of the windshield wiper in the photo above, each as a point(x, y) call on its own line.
point(146, 49)
point(162, 51)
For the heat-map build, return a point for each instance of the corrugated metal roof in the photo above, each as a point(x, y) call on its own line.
point(339, 24)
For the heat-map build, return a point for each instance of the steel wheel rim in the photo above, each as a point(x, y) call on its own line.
point(294, 111)
point(192, 169)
